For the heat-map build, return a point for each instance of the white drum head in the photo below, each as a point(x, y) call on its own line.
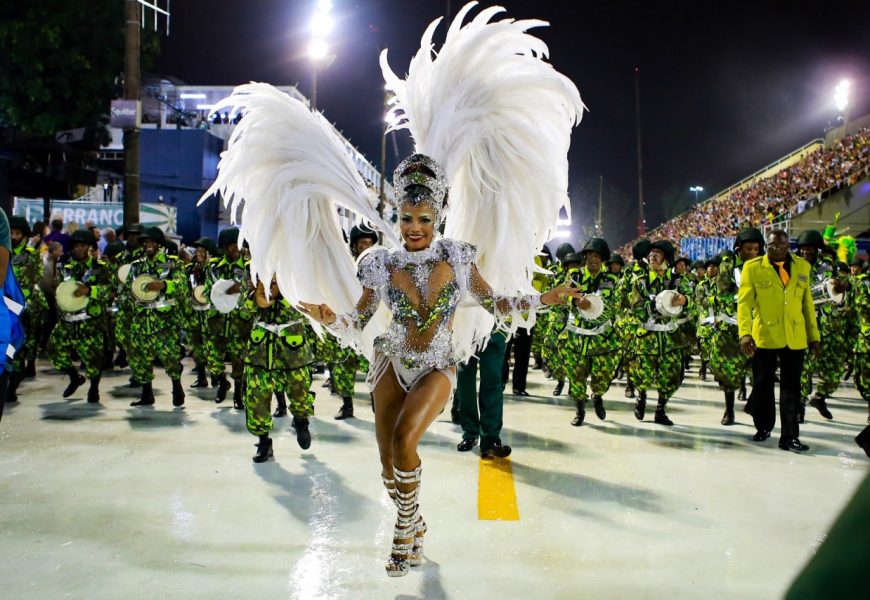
point(123, 271)
point(663, 304)
point(199, 294)
point(835, 297)
point(594, 311)
point(224, 302)
point(66, 300)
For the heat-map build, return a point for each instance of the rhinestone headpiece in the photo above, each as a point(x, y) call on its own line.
point(417, 187)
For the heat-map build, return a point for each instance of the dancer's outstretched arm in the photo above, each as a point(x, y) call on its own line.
point(358, 319)
point(503, 305)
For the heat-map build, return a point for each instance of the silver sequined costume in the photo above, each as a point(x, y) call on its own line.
point(422, 290)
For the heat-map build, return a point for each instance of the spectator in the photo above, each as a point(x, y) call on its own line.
point(58, 235)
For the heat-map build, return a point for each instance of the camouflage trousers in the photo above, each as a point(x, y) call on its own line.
point(195, 333)
point(862, 374)
point(728, 363)
point(33, 322)
point(650, 370)
point(537, 340)
point(600, 369)
point(123, 322)
point(261, 383)
point(164, 345)
point(550, 355)
point(829, 367)
point(343, 371)
point(81, 338)
point(218, 347)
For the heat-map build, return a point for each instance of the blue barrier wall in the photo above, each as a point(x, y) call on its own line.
point(180, 165)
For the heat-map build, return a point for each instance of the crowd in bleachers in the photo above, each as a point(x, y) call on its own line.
point(793, 189)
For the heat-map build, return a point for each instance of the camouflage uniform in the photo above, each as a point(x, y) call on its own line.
point(195, 318)
point(123, 316)
point(591, 348)
point(658, 349)
point(278, 356)
point(82, 333)
point(28, 269)
point(155, 326)
point(627, 323)
point(860, 303)
point(228, 332)
point(555, 322)
point(704, 316)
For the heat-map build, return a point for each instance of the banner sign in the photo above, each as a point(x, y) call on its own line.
point(698, 248)
point(101, 214)
point(125, 114)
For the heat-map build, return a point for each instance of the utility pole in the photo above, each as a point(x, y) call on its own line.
point(641, 220)
point(600, 223)
point(131, 92)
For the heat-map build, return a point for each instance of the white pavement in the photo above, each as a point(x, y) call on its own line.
point(111, 501)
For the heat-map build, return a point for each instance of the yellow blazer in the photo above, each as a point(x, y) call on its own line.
point(776, 316)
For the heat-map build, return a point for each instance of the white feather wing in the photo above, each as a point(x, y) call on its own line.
point(499, 120)
point(283, 175)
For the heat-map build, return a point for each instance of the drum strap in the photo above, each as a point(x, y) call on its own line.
point(727, 319)
point(73, 318)
point(653, 326)
point(603, 328)
point(160, 304)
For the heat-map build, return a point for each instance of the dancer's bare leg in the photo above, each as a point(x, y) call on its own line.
point(389, 397)
point(421, 407)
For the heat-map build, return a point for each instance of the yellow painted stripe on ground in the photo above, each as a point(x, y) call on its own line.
point(496, 495)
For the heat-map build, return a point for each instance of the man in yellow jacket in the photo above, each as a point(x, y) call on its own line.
point(776, 320)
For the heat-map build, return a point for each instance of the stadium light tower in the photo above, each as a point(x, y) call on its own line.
point(697, 189)
point(841, 100)
point(318, 48)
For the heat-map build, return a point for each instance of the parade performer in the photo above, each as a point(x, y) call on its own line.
point(589, 345)
point(494, 139)
point(861, 355)
point(705, 312)
point(158, 287)
point(278, 359)
point(628, 323)
point(196, 306)
point(28, 269)
point(78, 331)
point(554, 321)
point(729, 364)
point(658, 358)
point(124, 301)
point(228, 331)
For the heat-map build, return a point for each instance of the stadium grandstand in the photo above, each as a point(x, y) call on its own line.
point(780, 195)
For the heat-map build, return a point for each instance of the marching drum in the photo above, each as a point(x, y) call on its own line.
point(139, 291)
point(199, 295)
point(123, 271)
point(594, 311)
point(224, 302)
point(664, 306)
point(67, 301)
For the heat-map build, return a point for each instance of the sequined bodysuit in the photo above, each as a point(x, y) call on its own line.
point(422, 290)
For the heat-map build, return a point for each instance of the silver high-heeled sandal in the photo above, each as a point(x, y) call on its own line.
point(408, 522)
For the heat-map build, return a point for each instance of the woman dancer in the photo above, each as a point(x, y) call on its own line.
point(489, 116)
point(413, 373)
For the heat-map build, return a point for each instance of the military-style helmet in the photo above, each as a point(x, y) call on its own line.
point(362, 231)
point(697, 264)
point(684, 259)
point(666, 247)
point(616, 259)
point(726, 254)
point(171, 248)
point(83, 235)
point(563, 249)
point(599, 246)
point(750, 234)
point(134, 228)
point(153, 233)
point(842, 267)
point(228, 236)
point(811, 237)
point(573, 257)
point(20, 223)
point(207, 243)
point(713, 260)
point(829, 251)
point(114, 248)
point(641, 249)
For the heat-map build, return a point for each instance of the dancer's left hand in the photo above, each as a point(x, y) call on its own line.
point(562, 294)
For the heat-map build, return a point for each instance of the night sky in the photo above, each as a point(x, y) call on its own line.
point(726, 87)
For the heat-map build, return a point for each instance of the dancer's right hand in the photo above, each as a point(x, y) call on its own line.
point(319, 312)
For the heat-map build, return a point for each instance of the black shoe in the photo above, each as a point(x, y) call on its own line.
point(560, 385)
point(264, 449)
point(580, 415)
point(12, 391)
point(863, 439)
point(223, 387)
point(497, 450)
point(75, 382)
point(121, 359)
point(760, 436)
point(147, 397)
point(327, 383)
point(629, 390)
point(346, 410)
point(303, 436)
point(134, 383)
point(238, 403)
point(281, 411)
point(201, 381)
point(662, 418)
point(30, 369)
point(640, 406)
point(728, 418)
point(792, 444)
point(801, 412)
point(702, 372)
point(598, 403)
point(177, 393)
point(521, 393)
point(466, 444)
point(94, 390)
point(818, 402)
point(741, 395)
